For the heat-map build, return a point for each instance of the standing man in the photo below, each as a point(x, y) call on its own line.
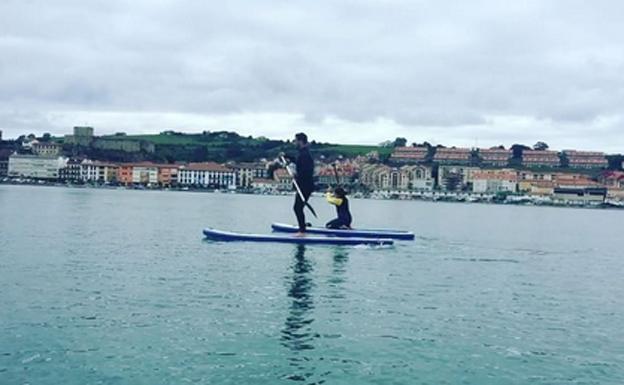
point(304, 176)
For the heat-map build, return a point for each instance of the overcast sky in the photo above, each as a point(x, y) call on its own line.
point(460, 73)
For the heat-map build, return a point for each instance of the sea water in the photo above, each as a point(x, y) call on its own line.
point(118, 287)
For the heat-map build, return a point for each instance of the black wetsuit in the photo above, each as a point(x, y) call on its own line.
point(344, 216)
point(305, 180)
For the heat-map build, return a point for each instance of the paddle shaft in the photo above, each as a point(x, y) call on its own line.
point(336, 175)
point(305, 201)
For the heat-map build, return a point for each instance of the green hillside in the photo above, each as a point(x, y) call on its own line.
point(221, 146)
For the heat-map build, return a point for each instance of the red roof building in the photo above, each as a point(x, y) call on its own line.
point(453, 155)
point(586, 159)
point(409, 154)
point(613, 179)
point(540, 158)
point(494, 156)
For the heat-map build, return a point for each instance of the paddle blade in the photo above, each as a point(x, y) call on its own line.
point(311, 210)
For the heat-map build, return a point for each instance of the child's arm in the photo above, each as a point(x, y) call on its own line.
point(332, 199)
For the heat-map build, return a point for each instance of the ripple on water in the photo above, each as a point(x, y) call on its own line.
point(143, 301)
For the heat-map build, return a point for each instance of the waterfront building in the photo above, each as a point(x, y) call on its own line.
point(168, 174)
point(4, 162)
point(45, 148)
point(405, 178)
point(613, 179)
point(409, 155)
point(95, 171)
point(283, 179)
point(540, 158)
point(375, 176)
point(494, 181)
point(495, 157)
point(148, 173)
point(207, 174)
point(573, 180)
point(586, 159)
point(71, 171)
point(247, 172)
point(345, 173)
point(615, 194)
point(455, 178)
point(124, 174)
point(145, 174)
point(264, 185)
point(453, 155)
point(538, 187)
point(581, 196)
point(528, 175)
point(416, 178)
point(33, 166)
point(527, 180)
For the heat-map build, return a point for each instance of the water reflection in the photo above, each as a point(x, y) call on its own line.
point(339, 268)
point(297, 333)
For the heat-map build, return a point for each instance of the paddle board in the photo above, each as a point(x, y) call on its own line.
point(219, 235)
point(354, 233)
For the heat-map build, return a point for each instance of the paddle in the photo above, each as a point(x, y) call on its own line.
point(299, 190)
point(336, 175)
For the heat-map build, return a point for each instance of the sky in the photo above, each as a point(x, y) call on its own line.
point(463, 73)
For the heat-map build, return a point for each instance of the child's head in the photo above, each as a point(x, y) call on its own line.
point(340, 192)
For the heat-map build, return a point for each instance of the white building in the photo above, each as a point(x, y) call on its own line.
point(93, 171)
point(207, 174)
point(246, 173)
point(37, 167)
point(453, 178)
point(145, 174)
point(265, 185)
point(494, 181)
point(405, 178)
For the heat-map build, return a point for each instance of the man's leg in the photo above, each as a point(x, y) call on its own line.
point(298, 208)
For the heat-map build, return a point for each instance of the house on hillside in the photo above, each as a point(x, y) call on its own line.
point(453, 155)
point(409, 155)
point(540, 158)
point(494, 157)
point(586, 159)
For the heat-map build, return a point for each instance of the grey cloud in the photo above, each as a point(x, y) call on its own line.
point(419, 63)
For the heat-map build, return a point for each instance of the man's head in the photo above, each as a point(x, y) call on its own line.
point(301, 140)
point(340, 192)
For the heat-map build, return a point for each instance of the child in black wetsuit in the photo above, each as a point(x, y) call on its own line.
point(339, 199)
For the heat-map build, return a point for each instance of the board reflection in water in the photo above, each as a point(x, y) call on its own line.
point(298, 334)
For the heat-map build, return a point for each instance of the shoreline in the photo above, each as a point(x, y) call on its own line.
point(430, 196)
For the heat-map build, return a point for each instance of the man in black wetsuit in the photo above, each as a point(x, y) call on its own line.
point(304, 176)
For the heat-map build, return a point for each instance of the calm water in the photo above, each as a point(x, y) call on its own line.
point(118, 287)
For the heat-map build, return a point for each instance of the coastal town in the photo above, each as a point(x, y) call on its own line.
point(516, 175)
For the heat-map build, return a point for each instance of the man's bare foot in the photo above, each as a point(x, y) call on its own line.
point(300, 234)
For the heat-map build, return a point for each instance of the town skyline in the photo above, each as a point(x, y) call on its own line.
point(225, 160)
point(383, 140)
